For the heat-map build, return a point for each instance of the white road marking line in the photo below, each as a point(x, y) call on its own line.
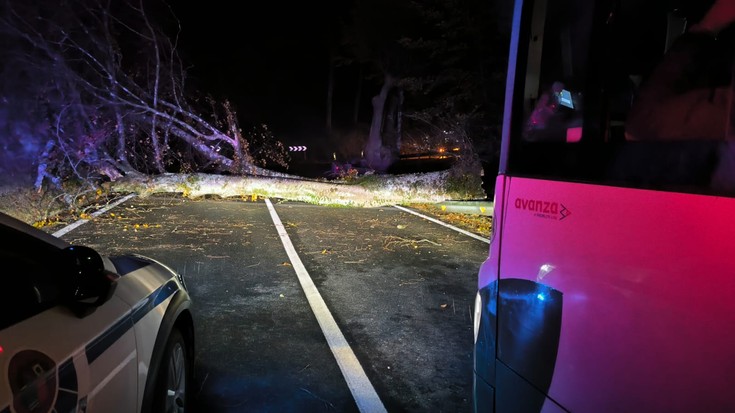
point(95, 214)
point(362, 390)
point(460, 230)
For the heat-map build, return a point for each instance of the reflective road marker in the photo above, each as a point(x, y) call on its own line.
point(362, 390)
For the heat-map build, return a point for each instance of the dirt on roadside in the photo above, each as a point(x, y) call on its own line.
point(477, 224)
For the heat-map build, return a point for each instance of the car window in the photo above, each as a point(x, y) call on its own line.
point(29, 280)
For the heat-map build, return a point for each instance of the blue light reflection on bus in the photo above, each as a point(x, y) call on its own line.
point(529, 327)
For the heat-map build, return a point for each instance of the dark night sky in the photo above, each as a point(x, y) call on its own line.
point(269, 58)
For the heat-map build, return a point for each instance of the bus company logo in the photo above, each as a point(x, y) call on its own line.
point(543, 209)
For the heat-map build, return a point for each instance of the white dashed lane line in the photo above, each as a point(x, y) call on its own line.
point(76, 224)
point(460, 230)
point(362, 390)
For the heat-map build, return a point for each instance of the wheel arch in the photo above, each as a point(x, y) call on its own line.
point(177, 316)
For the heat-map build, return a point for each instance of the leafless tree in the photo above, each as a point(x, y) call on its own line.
point(104, 94)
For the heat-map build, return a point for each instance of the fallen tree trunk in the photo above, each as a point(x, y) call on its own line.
point(367, 191)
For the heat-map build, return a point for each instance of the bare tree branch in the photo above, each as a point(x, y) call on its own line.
point(111, 83)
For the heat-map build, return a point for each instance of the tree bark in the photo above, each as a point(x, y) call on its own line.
point(381, 150)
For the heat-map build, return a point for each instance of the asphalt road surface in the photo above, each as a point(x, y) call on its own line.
point(303, 308)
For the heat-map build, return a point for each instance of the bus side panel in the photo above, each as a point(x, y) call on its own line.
point(517, 395)
point(488, 272)
point(618, 299)
point(485, 316)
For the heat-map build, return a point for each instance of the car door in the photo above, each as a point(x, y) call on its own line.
point(55, 359)
point(52, 359)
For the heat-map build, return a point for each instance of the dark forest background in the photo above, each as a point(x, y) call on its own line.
point(93, 91)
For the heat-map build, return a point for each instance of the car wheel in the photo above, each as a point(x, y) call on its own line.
point(173, 376)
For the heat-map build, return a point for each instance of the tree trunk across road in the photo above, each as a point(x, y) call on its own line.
point(370, 191)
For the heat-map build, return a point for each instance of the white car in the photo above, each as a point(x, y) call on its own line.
point(80, 332)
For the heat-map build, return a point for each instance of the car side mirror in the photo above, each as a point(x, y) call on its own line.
point(88, 284)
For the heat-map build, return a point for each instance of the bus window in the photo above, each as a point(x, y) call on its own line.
point(597, 103)
point(556, 102)
point(686, 98)
point(556, 70)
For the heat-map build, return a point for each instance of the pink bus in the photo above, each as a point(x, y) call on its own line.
point(610, 280)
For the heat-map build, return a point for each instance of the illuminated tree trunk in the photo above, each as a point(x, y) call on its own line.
point(384, 139)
